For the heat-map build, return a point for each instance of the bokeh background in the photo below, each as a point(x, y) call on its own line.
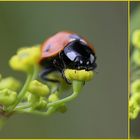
point(135, 24)
point(100, 111)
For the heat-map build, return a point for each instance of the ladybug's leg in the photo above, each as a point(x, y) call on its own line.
point(63, 67)
point(62, 60)
point(67, 81)
point(45, 72)
point(60, 65)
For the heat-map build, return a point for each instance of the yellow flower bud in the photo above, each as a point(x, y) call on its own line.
point(53, 98)
point(25, 59)
point(10, 83)
point(7, 97)
point(81, 75)
point(38, 88)
point(136, 38)
point(31, 98)
point(41, 105)
point(136, 56)
point(135, 86)
point(133, 109)
point(136, 98)
point(36, 102)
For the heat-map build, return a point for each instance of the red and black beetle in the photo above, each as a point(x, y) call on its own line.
point(66, 50)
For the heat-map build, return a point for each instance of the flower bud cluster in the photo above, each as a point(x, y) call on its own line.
point(134, 101)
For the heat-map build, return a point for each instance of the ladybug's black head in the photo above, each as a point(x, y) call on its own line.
point(78, 55)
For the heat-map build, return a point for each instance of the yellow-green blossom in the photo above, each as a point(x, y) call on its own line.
point(136, 56)
point(136, 38)
point(25, 59)
point(38, 88)
point(37, 102)
point(10, 83)
point(135, 86)
point(42, 104)
point(133, 109)
point(53, 98)
point(7, 97)
point(81, 75)
point(31, 98)
point(136, 98)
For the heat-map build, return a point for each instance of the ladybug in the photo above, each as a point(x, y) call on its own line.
point(66, 50)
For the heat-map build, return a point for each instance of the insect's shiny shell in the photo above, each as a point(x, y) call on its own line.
point(55, 44)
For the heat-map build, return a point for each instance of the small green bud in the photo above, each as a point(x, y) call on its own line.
point(136, 98)
point(10, 83)
point(133, 109)
point(38, 88)
point(136, 56)
point(62, 109)
point(53, 98)
point(135, 86)
point(26, 96)
point(42, 104)
point(51, 110)
point(7, 97)
point(37, 102)
point(136, 38)
point(31, 98)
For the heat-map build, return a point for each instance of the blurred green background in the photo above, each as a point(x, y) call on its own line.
point(135, 24)
point(100, 111)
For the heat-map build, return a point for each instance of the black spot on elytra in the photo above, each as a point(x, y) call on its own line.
point(48, 48)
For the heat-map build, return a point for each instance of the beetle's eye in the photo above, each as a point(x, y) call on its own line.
point(92, 58)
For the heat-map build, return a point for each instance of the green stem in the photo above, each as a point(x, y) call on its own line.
point(48, 113)
point(32, 112)
point(31, 76)
point(24, 106)
point(67, 99)
point(22, 92)
point(50, 110)
point(36, 71)
point(77, 85)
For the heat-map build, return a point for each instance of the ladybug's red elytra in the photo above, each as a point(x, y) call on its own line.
point(66, 50)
